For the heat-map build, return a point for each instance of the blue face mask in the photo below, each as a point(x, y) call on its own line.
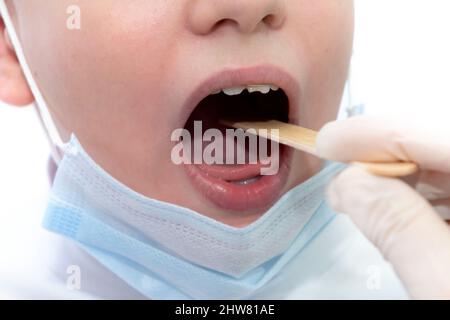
point(169, 252)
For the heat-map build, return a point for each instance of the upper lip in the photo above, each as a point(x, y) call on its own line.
point(234, 77)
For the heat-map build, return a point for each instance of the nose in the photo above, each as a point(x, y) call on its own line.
point(247, 16)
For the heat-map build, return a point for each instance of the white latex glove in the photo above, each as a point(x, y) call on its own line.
point(405, 222)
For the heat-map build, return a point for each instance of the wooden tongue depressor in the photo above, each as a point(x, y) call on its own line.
point(305, 139)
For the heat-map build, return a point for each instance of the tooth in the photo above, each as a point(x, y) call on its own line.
point(216, 91)
point(259, 88)
point(274, 87)
point(233, 91)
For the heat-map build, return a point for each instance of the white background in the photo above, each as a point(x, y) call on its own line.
point(402, 58)
point(401, 67)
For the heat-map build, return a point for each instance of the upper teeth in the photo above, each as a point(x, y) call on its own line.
point(263, 88)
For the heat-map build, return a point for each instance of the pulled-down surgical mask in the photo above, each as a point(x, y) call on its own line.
point(166, 251)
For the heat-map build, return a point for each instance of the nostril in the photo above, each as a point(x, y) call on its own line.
point(272, 20)
point(222, 23)
point(269, 19)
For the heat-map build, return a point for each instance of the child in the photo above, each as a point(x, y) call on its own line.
point(118, 77)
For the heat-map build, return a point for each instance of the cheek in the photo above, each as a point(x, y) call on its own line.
point(111, 99)
point(129, 46)
point(327, 32)
point(327, 38)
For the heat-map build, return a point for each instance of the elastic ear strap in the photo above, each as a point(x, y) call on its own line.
point(49, 125)
point(350, 104)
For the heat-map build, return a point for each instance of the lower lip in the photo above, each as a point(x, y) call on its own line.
point(257, 195)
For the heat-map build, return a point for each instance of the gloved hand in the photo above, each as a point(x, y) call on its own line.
point(406, 221)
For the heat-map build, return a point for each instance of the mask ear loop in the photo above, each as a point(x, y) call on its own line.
point(353, 107)
point(58, 146)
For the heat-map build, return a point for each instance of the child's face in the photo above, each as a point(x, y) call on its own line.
point(123, 81)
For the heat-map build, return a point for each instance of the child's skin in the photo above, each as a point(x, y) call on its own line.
point(121, 81)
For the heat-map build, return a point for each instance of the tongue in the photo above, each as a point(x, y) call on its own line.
point(228, 168)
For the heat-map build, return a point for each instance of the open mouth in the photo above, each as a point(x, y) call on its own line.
point(233, 184)
point(251, 102)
